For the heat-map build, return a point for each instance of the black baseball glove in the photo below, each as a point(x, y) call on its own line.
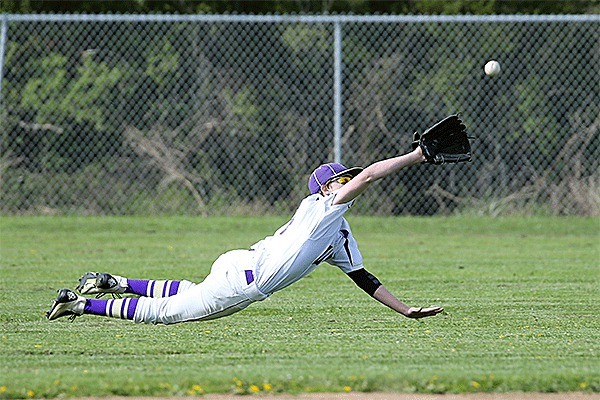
point(444, 142)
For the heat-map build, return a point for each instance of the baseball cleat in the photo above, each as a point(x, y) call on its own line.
point(101, 284)
point(67, 303)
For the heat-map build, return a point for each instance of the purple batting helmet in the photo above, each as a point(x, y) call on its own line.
point(329, 171)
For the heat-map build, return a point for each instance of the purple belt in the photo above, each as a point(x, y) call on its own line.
point(249, 276)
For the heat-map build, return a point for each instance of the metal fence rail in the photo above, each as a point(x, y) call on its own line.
point(213, 114)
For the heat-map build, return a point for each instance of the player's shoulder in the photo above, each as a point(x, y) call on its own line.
point(314, 202)
point(325, 202)
point(315, 199)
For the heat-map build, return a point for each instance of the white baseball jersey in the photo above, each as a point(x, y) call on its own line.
point(316, 233)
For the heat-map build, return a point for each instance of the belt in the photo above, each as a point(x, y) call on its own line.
point(249, 276)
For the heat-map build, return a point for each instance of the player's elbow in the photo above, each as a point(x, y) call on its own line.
point(366, 177)
point(369, 179)
point(374, 172)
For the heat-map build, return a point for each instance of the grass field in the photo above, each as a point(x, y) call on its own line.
point(521, 299)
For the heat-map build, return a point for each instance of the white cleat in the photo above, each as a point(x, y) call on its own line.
point(101, 284)
point(67, 303)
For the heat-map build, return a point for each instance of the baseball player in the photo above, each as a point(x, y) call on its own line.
point(317, 232)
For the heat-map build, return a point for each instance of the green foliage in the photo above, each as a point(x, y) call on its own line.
point(303, 6)
point(537, 113)
point(54, 97)
point(163, 65)
point(516, 319)
point(454, 7)
point(68, 111)
point(243, 109)
point(91, 96)
point(45, 90)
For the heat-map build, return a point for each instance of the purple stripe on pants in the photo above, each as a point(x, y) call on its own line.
point(174, 288)
point(131, 308)
point(151, 294)
point(164, 291)
point(122, 313)
point(109, 306)
point(95, 307)
point(137, 286)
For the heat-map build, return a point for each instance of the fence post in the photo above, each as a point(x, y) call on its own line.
point(3, 30)
point(337, 93)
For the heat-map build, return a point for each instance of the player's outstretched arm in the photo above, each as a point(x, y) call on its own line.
point(374, 172)
point(385, 297)
point(374, 288)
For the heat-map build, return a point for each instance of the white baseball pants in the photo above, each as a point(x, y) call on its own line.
point(229, 288)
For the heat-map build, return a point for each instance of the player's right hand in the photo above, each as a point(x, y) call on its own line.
point(422, 312)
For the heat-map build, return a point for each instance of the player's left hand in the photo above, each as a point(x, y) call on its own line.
point(422, 312)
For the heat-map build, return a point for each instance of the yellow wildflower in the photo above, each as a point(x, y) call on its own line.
point(197, 388)
point(254, 389)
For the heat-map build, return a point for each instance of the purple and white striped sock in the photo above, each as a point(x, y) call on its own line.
point(153, 288)
point(117, 308)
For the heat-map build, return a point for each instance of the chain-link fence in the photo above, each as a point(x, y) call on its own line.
point(229, 114)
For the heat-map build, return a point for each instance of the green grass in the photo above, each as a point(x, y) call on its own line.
point(521, 298)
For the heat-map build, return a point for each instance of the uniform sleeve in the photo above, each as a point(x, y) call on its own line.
point(346, 255)
point(365, 280)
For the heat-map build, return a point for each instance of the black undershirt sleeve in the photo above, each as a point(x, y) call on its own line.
point(365, 280)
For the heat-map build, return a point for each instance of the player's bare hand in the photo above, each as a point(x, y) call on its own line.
point(422, 312)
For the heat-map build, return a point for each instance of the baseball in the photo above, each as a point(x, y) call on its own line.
point(492, 68)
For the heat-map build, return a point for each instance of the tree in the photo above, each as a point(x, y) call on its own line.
point(357, 7)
